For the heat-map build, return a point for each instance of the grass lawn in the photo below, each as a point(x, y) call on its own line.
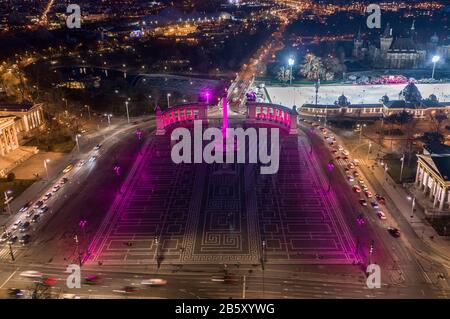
point(441, 225)
point(394, 167)
point(17, 187)
point(62, 144)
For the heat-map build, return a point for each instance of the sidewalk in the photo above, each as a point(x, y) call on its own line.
point(416, 220)
point(58, 162)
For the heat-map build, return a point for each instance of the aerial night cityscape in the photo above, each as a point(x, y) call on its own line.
point(224, 149)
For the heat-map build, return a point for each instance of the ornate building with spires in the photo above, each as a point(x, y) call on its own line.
point(392, 51)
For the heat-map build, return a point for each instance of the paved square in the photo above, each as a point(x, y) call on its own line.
point(218, 214)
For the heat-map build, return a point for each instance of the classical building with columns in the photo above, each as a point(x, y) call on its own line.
point(433, 176)
point(8, 135)
point(28, 116)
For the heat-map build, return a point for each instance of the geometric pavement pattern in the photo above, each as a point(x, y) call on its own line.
point(219, 214)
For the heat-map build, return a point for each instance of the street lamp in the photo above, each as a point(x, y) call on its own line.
point(78, 144)
point(360, 131)
point(370, 145)
point(45, 166)
point(8, 200)
point(291, 62)
point(330, 167)
point(413, 204)
point(126, 106)
point(168, 100)
point(435, 60)
point(109, 118)
point(89, 111)
point(401, 169)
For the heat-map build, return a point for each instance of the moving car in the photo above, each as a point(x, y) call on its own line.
point(38, 204)
point(43, 209)
point(154, 282)
point(31, 274)
point(381, 215)
point(17, 224)
point(68, 168)
point(97, 147)
point(56, 188)
point(47, 196)
point(81, 163)
point(5, 236)
point(35, 218)
point(64, 180)
point(25, 239)
point(91, 280)
point(25, 207)
point(394, 232)
point(92, 158)
point(24, 227)
point(12, 240)
point(380, 198)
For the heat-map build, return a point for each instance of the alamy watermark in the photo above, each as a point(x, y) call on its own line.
point(222, 149)
point(374, 19)
point(74, 278)
point(373, 280)
point(73, 19)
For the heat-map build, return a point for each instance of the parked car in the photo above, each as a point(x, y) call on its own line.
point(350, 178)
point(374, 204)
point(368, 194)
point(356, 189)
point(363, 202)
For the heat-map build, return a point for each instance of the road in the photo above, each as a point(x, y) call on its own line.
point(400, 255)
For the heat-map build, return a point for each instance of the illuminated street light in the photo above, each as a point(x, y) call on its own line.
point(8, 199)
point(78, 144)
point(435, 60)
point(128, 113)
point(109, 118)
point(45, 166)
point(291, 62)
point(168, 100)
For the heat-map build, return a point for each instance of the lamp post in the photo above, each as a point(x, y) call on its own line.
point(291, 62)
point(368, 152)
point(330, 167)
point(78, 143)
point(401, 169)
point(435, 60)
point(89, 111)
point(109, 118)
point(385, 170)
point(8, 199)
point(128, 113)
point(360, 131)
point(168, 100)
point(45, 165)
point(413, 204)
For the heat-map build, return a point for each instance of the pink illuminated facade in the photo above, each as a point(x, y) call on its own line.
point(275, 114)
point(178, 115)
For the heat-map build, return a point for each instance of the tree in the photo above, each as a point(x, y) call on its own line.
point(312, 67)
point(333, 68)
point(437, 118)
point(11, 177)
point(284, 74)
